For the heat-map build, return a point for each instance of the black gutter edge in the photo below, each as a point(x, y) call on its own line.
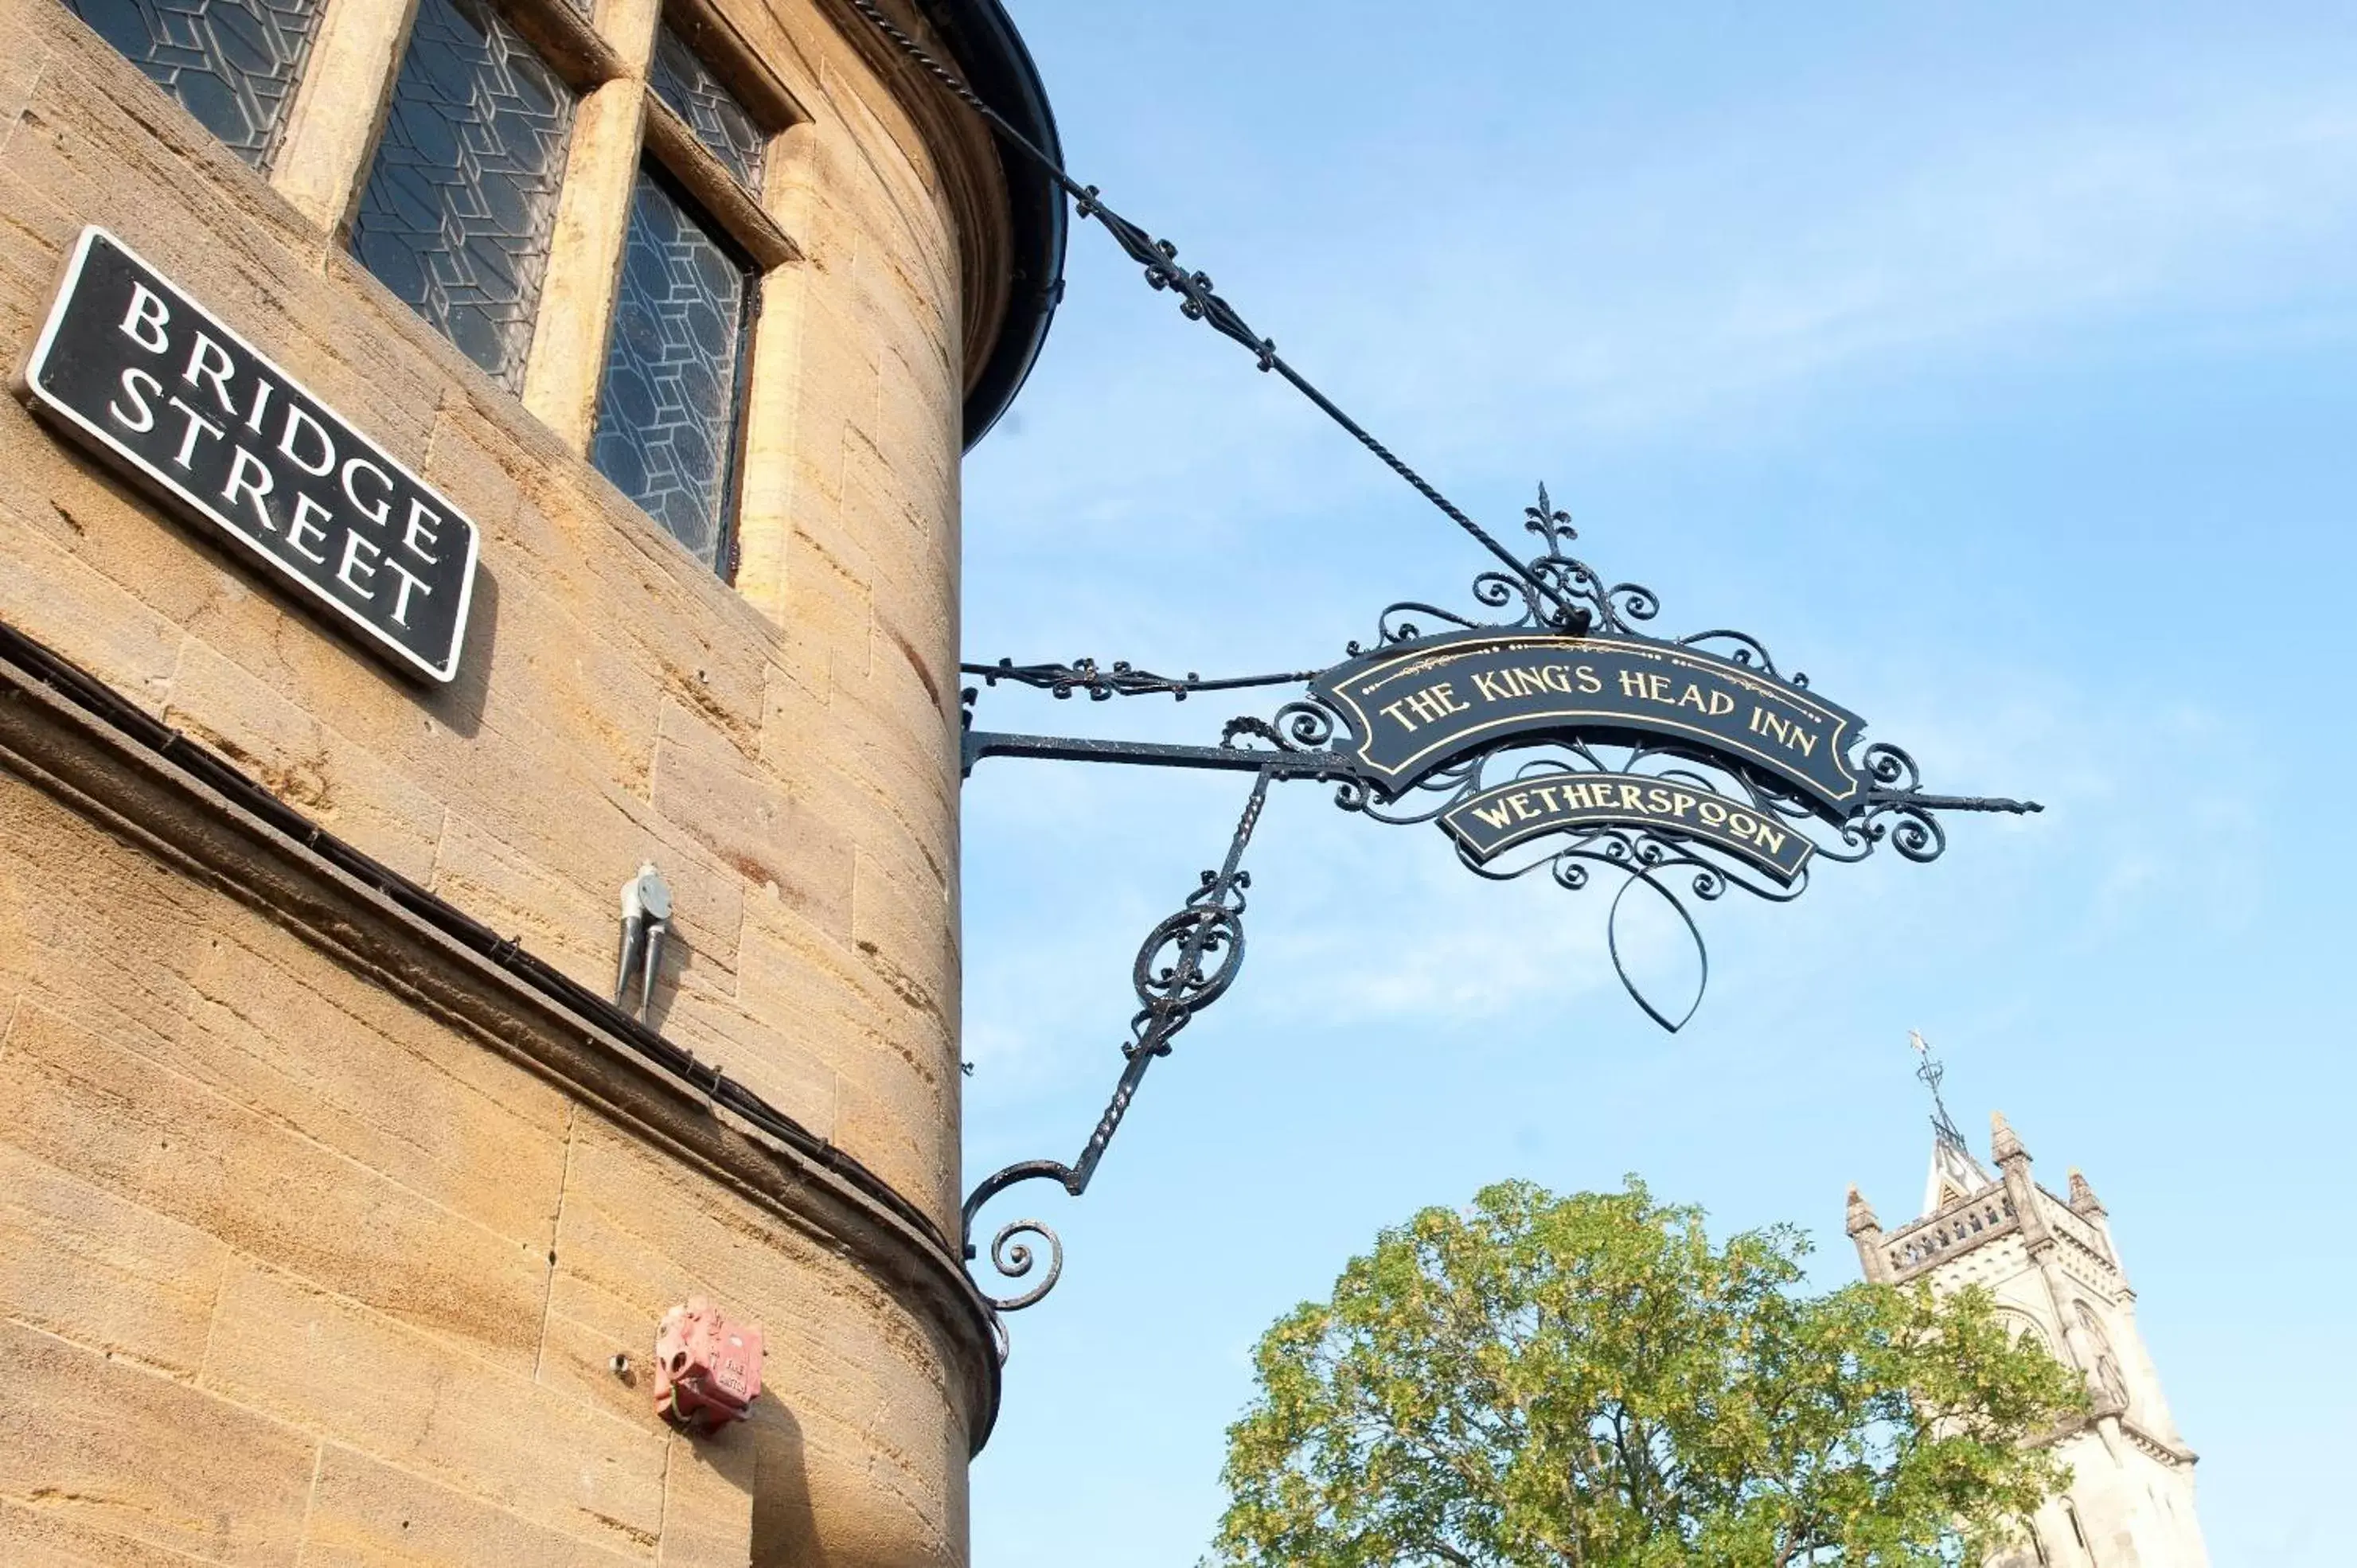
point(991, 56)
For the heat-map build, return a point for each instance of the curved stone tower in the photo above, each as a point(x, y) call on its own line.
point(339, 1203)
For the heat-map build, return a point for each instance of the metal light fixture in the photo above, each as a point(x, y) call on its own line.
point(646, 921)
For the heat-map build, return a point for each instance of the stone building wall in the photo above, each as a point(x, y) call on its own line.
point(318, 1235)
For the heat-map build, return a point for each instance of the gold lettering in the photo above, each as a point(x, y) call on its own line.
point(1493, 687)
point(1657, 800)
point(1711, 813)
point(1586, 676)
point(1392, 710)
point(1496, 816)
point(1769, 838)
point(1681, 803)
point(1633, 684)
point(1520, 803)
point(1632, 798)
point(1692, 698)
point(1721, 705)
point(1791, 733)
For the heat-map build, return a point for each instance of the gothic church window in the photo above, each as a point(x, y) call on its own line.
point(2023, 1329)
point(2077, 1534)
point(233, 64)
point(2108, 1366)
point(460, 204)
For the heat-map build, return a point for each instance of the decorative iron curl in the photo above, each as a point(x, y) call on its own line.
point(1299, 727)
point(1187, 963)
point(1552, 591)
point(1447, 786)
point(1392, 626)
point(1101, 682)
point(1911, 828)
point(1104, 683)
point(1170, 993)
point(1748, 649)
point(1890, 769)
point(1013, 1261)
point(1307, 725)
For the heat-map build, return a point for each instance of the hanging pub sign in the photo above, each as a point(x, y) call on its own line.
point(1558, 741)
point(1414, 707)
point(159, 387)
point(1561, 739)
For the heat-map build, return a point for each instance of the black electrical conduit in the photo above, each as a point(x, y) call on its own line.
point(101, 701)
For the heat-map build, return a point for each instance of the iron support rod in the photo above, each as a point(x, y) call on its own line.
point(980, 743)
point(1199, 302)
point(1953, 802)
point(1205, 943)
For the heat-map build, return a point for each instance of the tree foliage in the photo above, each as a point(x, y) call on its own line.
point(1585, 1381)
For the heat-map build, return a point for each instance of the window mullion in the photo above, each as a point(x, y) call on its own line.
point(585, 261)
point(332, 126)
point(628, 28)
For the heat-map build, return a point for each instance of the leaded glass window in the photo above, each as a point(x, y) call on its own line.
point(458, 209)
point(668, 406)
point(233, 64)
point(682, 79)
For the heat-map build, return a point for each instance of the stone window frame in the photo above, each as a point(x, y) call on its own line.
point(605, 52)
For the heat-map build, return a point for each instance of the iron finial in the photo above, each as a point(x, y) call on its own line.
point(1930, 1071)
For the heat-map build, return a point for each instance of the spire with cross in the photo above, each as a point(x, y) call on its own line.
point(1954, 1172)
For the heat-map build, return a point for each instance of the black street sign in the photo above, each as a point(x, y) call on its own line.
point(1416, 706)
point(156, 384)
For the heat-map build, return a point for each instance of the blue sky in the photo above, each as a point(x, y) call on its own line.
point(1992, 366)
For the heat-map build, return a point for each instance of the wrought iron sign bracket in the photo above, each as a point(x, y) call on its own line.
point(1688, 762)
point(1684, 766)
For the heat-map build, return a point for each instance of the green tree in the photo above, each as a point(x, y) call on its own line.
point(1585, 1381)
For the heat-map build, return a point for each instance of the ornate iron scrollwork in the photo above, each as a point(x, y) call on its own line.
point(1552, 592)
point(1187, 963)
point(1894, 808)
point(1783, 821)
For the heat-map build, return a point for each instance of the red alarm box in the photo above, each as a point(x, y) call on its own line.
point(707, 1370)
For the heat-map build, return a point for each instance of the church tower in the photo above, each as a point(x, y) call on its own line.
point(2051, 1265)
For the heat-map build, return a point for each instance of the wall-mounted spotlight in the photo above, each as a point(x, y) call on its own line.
point(646, 921)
